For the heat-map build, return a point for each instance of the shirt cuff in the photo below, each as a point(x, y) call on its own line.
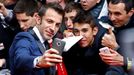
point(36, 61)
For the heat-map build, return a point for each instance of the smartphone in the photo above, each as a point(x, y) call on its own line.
point(58, 44)
point(105, 50)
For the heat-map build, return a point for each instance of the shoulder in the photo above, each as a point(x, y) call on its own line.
point(22, 39)
point(24, 35)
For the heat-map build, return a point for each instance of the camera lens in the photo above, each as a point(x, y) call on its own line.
point(58, 43)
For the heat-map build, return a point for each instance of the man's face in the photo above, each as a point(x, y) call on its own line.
point(88, 4)
point(68, 18)
point(50, 24)
point(25, 21)
point(118, 14)
point(87, 32)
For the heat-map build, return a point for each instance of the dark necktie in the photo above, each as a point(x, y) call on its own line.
point(46, 45)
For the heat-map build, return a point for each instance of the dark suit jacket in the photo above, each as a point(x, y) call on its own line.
point(23, 51)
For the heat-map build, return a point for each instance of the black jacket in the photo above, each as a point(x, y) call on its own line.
point(86, 61)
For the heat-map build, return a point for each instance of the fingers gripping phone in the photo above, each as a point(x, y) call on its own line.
point(58, 44)
point(105, 50)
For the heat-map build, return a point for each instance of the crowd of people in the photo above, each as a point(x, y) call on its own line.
point(28, 28)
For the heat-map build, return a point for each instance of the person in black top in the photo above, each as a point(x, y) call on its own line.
point(84, 55)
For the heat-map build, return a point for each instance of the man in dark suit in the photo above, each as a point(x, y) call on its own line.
point(9, 28)
point(28, 54)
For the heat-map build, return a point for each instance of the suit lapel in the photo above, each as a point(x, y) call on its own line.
point(40, 45)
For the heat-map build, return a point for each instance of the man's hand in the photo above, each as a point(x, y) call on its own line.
point(112, 58)
point(3, 9)
point(68, 33)
point(109, 40)
point(49, 58)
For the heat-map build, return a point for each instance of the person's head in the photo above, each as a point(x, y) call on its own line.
point(26, 12)
point(71, 10)
point(51, 16)
point(120, 12)
point(89, 4)
point(50, 1)
point(60, 2)
point(84, 25)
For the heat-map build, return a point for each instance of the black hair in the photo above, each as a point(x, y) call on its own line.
point(52, 5)
point(83, 17)
point(26, 6)
point(72, 6)
point(128, 3)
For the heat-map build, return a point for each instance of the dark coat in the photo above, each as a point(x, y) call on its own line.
point(86, 61)
point(121, 34)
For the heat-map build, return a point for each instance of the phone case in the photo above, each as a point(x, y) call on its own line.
point(105, 50)
point(58, 44)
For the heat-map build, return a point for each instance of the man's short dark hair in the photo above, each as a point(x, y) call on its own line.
point(72, 6)
point(52, 5)
point(83, 17)
point(26, 6)
point(128, 3)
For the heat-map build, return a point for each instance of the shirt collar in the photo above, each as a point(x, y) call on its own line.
point(35, 29)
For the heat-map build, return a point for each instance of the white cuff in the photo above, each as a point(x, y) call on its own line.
point(36, 61)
